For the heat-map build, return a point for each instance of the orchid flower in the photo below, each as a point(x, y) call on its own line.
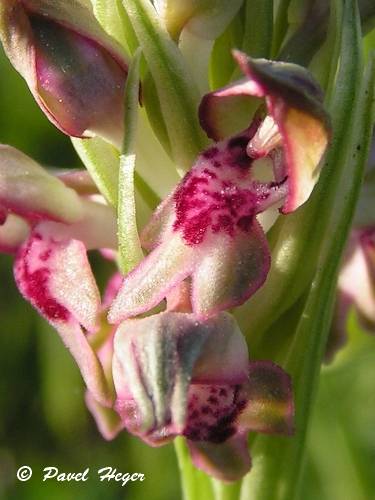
point(175, 374)
point(210, 227)
point(74, 69)
point(49, 228)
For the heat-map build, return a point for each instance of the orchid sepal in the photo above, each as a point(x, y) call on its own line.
point(28, 190)
point(295, 103)
point(59, 47)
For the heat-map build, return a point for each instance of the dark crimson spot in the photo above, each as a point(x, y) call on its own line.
point(194, 414)
point(222, 201)
point(223, 392)
point(210, 153)
point(238, 142)
point(213, 400)
point(45, 255)
point(206, 410)
point(209, 173)
point(245, 223)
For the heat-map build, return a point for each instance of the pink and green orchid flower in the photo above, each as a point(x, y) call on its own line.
point(176, 374)
point(49, 227)
point(74, 69)
point(211, 228)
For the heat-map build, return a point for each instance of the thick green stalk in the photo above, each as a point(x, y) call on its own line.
point(226, 491)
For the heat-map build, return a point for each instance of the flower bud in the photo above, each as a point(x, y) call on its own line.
point(74, 69)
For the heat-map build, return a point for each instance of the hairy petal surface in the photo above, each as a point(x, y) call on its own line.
point(55, 276)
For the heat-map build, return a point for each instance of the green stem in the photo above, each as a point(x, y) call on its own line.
point(195, 484)
point(224, 491)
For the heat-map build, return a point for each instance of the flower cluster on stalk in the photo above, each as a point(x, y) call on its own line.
point(184, 368)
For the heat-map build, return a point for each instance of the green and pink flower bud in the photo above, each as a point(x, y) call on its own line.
point(178, 375)
point(74, 69)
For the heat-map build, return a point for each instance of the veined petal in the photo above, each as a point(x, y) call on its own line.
point(226, 461)
point(75, 71)
point(231, 271)
point(294, 101)
point(157, 357)
point(268, 393)
point(55, 276)
point(28, 190)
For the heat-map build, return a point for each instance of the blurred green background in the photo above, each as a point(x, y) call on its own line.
point(43, 419)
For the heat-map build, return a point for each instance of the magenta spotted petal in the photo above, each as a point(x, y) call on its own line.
point(176, 374)
point(207, 230)
point(55, 276)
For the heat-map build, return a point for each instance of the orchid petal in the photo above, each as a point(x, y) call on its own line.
point(206, 229)
point(75, 71)
point(231, 271)
point(79, 180)
point(294, 101)
point(96, 228)
point(269, 398)
point(28, 190)
point(55, 276)
point(226, 461)
point(150, 282)
point(106, 419)
point(155, 359)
